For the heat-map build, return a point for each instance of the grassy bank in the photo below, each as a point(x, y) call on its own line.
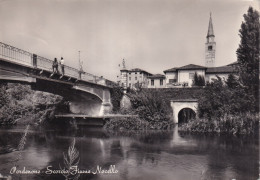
point(231, 124)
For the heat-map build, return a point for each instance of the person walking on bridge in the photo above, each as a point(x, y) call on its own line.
point(62, 65)
point(55, 67)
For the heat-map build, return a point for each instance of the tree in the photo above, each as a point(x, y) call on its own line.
point(195, 82)
point(248, 54)
point(232, 82)
point(220, 99)
point(198, 80)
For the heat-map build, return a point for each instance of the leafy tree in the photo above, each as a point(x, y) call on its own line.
point(116, 96)
point(195, 80)
point(198, 80)
point(151, 107)
point(201, 80)
point(220, 99)
point(248, 54)
point(4, 98)
point(232, 81)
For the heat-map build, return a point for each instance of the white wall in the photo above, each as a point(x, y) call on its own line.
point(171, 75)
point(156, 83)
point(135, 77)
point(183, 76)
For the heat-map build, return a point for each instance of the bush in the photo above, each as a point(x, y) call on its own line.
point(221, 99)
point(116, 96)
point(20, 104)
point(150, 106)
point(235, 124)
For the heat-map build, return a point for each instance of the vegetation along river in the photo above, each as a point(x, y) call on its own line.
point(166, 155)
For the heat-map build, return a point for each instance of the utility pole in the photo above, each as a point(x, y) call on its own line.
point(80, 67)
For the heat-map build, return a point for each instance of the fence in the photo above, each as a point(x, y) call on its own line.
point(15, 55)
point(44, 63)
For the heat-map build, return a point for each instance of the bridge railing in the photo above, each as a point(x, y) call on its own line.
point(15, 55)
point(88, 77)
point(44, 63)
point(70, 71)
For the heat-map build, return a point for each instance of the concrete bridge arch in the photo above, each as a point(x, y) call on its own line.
point(179, 105)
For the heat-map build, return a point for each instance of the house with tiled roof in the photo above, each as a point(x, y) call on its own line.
point(129, 78)
point(156, 81)
point(184, 76)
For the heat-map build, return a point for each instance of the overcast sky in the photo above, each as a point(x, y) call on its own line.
point(154, 35)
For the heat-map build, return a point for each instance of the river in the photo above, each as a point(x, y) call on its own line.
point(151, 155)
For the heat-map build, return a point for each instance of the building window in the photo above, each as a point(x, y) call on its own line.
point(135, 78)
point(191, 75)
point(209, 48)
point(129, 78)
point(152, 82)
point(161, 82)
point(129, 73)
point(172, 81)
point(129, 84)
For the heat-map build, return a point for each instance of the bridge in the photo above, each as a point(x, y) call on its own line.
point(87, 93)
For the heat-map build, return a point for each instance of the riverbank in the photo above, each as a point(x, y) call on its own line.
point(232, 124)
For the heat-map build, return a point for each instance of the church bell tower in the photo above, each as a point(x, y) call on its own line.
point(210, 46)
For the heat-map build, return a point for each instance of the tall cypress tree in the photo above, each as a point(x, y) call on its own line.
point(248, 54)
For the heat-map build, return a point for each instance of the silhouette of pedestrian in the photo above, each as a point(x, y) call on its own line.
point(62, 65)
point(55, 67)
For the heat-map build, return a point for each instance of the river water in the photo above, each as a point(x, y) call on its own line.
point(151, 155)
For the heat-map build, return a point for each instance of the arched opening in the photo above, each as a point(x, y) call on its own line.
point(185, 115)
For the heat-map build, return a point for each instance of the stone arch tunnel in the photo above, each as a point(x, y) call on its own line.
point(184, 109)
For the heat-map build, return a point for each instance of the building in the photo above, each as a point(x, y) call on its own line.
point(133, 77)
point(181, 76)
point(184, 76)
point(156, 81)
point(222, 72)
point(210, 46)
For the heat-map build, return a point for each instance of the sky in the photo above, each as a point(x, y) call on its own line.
point(153, 35)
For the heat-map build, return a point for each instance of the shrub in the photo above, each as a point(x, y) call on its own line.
point(246, 123)
point(150, 106)
point(20, 104)
point(128, 123)
point(116, 96)
point(220, 99)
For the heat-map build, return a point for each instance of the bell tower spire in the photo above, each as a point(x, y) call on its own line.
point(210, 46)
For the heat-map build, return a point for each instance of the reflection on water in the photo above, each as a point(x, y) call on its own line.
point(136, 155)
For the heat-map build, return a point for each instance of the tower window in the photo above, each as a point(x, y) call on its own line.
point(209, 48)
